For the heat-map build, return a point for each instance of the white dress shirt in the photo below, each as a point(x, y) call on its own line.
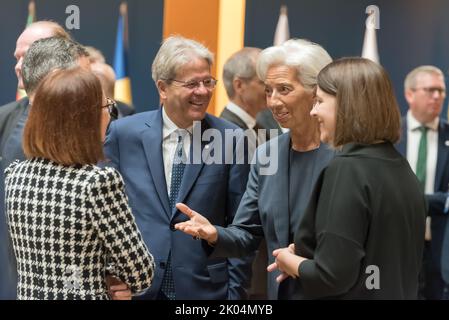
point(170, 133)
point(242, 114)
point(413, 139)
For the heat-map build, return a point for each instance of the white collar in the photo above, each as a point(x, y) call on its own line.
point(242, 114)
point(169, 126)
point(414, 124)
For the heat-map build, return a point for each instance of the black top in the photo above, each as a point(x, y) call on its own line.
point(304, 170)
point(363, 230)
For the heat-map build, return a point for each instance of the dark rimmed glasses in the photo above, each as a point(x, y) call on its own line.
point(112, 108)
point(430, 91)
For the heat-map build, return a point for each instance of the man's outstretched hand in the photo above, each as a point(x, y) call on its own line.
point(197, 225)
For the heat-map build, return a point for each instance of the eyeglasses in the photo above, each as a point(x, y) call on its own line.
point(208, 83)
point(431, 90)
point(112, 108)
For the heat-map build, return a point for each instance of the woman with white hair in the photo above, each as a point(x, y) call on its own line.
point(273, 204)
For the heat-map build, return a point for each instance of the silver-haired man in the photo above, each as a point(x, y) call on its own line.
point(151, 149)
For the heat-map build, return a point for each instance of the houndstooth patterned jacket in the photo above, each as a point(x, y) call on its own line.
point(67, 224)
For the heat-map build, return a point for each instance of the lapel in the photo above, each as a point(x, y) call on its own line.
point(193, 168)
point(231, 116)
point(443, 153)
point(282, 224)
point(9, 123)
point(152, 144)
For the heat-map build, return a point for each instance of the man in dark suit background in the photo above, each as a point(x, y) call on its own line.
point(12, 119)
point(163, 159)
point(425, 143)
point(246, 92)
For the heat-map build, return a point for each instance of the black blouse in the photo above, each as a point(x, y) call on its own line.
point(363, 230)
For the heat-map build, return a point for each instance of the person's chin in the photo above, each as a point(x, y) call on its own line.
point(197, 115)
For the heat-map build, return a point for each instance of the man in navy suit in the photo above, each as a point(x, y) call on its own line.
point(164, 160)
point(423, 129)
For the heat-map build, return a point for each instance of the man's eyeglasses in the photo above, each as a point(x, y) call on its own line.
point(208, 83)
point(112, 108)
point(430, 91)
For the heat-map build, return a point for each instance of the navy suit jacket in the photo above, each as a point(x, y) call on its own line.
point(437, 200)
point(134, 147)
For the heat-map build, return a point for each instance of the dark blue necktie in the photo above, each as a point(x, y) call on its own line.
point(179, 163)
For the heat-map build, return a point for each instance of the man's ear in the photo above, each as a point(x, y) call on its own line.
point(237, 83)
point(409, 95)
point(162, 89)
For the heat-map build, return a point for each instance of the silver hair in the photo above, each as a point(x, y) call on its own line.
point(241, 64)
point(175, 52)
point(46, 55)
point(306, 57)
point(410, 79)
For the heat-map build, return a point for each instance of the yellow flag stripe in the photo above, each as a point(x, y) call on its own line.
point(123, 91)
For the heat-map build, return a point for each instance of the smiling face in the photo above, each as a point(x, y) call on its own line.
point(325, 110)
point(184, 105)
point(287, 98)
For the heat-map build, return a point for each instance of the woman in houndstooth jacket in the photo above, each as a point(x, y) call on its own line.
point(69, 220)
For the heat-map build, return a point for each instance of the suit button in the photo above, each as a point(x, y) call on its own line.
point(172, 227)
point(162, 265)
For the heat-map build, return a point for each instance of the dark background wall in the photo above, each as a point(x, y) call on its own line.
point(412, 32)
point(98, 28)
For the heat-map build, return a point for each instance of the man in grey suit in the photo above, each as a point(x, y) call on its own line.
point(43, 55)
point(246, 93)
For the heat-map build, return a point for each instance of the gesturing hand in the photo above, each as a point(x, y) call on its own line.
point(287, 262)
point(197, 226)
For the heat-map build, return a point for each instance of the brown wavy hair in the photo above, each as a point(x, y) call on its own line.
point(64, 123)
